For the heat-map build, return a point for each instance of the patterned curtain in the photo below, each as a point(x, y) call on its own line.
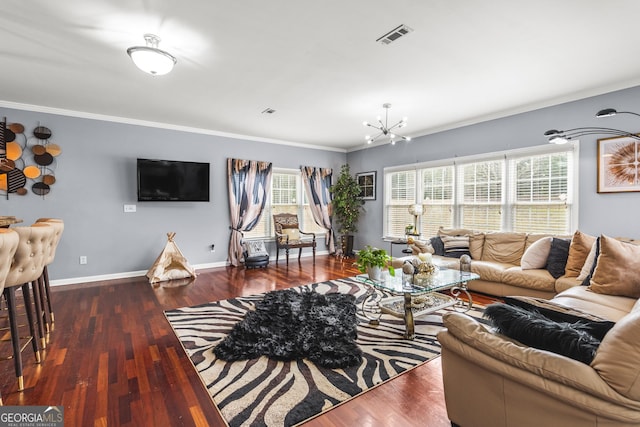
point(249, 189)
point(317, 182)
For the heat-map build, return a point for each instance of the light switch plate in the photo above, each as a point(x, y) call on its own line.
point(129, 208)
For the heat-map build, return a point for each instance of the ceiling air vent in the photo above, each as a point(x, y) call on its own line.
point(395, 34)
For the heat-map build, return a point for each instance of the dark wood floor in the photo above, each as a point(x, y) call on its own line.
point(114, 360)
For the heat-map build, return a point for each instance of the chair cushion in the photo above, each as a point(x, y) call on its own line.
point(293, 233)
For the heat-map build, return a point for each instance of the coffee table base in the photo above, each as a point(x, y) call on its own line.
point(410, 307)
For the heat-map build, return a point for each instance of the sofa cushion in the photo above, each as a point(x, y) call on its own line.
point(563, 283)
point(539, 279)
point(535, 256)
point(455, 246)
point(489, 271)
point(617, 269)
point(505, 248)
point(557, 259)
point(617, 357)
point(581, 244)
point(476, 244)
point(535, 330)
point(609, 307)
point(454, 232)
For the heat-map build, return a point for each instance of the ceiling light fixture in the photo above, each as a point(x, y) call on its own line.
point(385, 129)
point(150, 59)
point(563, 136)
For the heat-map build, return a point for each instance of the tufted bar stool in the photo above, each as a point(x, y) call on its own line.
point(58, 226)
point(8, 244)
point(27, 266)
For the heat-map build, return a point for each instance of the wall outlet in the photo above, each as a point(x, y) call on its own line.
point(83, 259)
point(129, 208)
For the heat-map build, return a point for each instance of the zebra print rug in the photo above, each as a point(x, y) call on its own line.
point(265, 392)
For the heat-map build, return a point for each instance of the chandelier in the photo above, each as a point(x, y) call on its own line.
point(385, 129)
point(563, 136)
point(150, 59)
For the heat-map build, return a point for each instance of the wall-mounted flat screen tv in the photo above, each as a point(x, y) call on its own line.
point(172, 181)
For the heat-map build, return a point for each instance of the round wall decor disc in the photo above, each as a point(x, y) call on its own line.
point(40, 188)
point(31, 172)
point(43, 159)
point(16, 127)
point(9, 136)
point(38, 149)
point(42, 132)
point(21, 191)
point(49, 179)
point(6, 165)
point(14, 151)
point(53, 149)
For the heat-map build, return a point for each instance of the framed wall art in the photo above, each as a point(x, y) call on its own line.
point(367, 183)
point(618, 165)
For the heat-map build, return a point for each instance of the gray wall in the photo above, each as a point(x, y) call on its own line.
point(611, 214)
point(96, 177)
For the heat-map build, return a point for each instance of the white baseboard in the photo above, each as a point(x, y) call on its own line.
point(142, 273)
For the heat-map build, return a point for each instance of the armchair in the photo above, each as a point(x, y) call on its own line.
point(289, 236)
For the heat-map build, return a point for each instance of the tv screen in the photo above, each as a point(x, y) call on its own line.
point(172, 181)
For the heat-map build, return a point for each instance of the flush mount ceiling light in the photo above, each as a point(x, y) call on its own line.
point(385, 129)
point(563, 136)
point(150, 59)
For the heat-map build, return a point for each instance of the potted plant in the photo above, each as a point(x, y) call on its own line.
point(347, 206)
point(372, 260)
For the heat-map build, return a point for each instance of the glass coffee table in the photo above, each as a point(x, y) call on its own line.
point(415, 300)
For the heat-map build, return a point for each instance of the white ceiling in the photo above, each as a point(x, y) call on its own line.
point(316, 62)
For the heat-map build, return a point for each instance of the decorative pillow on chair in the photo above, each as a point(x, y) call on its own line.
point(535, 330)
point(293, 233)
point(255, 248)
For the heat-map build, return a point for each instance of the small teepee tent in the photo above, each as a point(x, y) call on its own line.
point(170, 264)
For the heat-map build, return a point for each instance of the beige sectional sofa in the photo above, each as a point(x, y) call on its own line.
point(492, 380)
point(496, 257)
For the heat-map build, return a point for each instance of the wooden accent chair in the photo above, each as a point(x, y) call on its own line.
point(289, 236)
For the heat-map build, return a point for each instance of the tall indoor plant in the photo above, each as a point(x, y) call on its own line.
point(347, 206)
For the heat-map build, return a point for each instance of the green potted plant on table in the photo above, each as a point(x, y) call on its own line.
point(347, 206)
point(372, 260)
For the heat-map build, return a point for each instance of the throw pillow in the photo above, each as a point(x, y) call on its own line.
point(557, 259)
point(437, 245)
point(617, 270)
point(535, 330)
point(455, 246)
point(536, 255)
point(581, 244)
point(293, 233)
point(595, 325)
point(454, 232)
point(255, 248)
point(590, 264)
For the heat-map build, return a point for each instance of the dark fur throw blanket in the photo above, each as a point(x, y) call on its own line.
point(287, 325)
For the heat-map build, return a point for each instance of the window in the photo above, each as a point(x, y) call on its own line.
point(530, 190)
point(287, 196)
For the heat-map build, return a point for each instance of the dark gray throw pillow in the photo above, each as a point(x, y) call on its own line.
point(437, 245)
point(557, 260)
point(535, 330)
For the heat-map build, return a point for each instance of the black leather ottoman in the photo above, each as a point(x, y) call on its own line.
point(257, 261)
